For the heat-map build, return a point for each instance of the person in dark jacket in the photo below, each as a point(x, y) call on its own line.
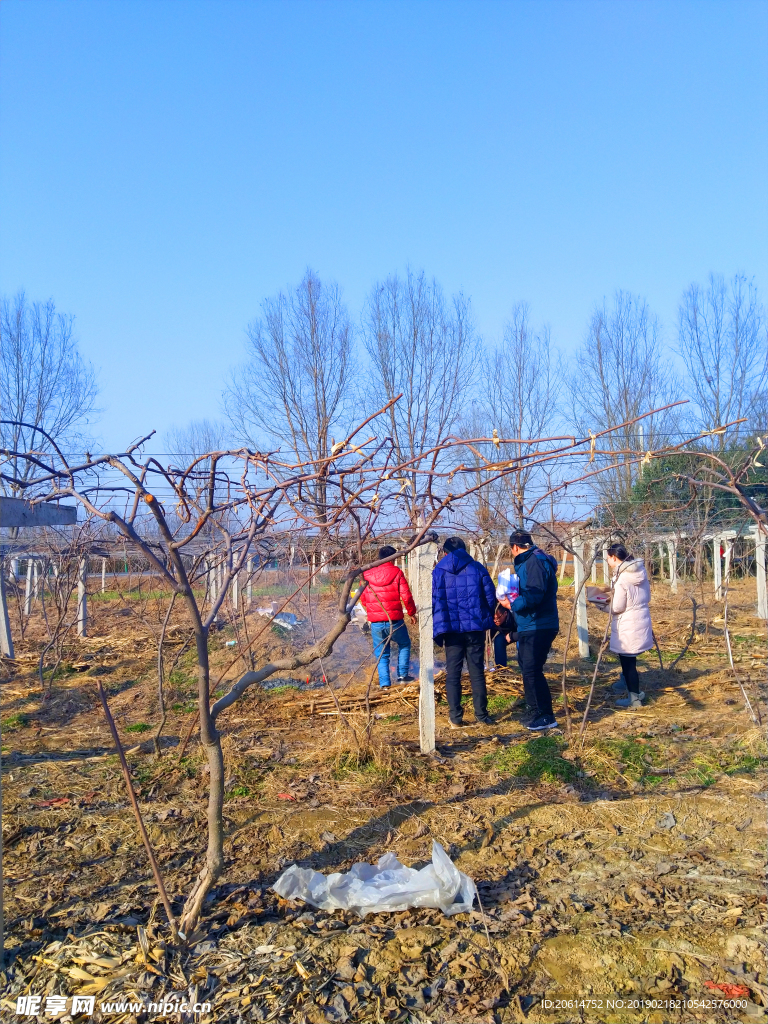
point(533, 616)
point(463, 599)
point(383, 599)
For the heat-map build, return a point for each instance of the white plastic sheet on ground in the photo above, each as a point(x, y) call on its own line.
point(386, 887)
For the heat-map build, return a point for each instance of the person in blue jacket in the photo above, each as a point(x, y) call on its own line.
point(463, 600)
point(533, 616)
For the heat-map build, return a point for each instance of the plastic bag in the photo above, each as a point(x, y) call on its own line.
point(385, 888)
point(508, 585)
point(359, 616)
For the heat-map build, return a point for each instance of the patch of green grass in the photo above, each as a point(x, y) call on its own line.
point(633, 760)
point(707, 766)
point(539, 759)
point(138, 727)
point(17, 721)
point(144, 774)
point(393, 718)
point(499, 703)
point(184, 709)
point(280, 691)
point(351, 763)
point(238, 791)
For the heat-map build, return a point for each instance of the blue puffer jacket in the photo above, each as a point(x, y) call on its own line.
point(536, 607)
point(463, 596)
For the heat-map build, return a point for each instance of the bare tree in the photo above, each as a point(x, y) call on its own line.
point(425, 349)
point(723, 343)
point(262, 494)
point(47, 391)
point(620, 373)
point(197, 438)
point(293, 391)
point(523, 396)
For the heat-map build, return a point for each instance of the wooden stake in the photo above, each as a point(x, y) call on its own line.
point(137, 811)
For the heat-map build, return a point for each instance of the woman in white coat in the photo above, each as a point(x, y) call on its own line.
point(631, 630)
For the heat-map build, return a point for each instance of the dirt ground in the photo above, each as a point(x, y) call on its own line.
point(629, 867)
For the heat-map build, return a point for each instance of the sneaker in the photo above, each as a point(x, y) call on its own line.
point(542, 722)
point(406, 679)
point(455, 725)
point(488, 720)
point(632, 700)
point(383, 686)
point(620, 686)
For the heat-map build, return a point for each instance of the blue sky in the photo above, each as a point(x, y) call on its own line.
point(166, 165)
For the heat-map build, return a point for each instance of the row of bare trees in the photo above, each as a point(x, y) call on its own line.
point(311, 372)
point(304, 378)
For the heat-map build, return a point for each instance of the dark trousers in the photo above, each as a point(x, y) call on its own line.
point(499, 648)
point(458, 647)
point(629, 668)
point(532, 651)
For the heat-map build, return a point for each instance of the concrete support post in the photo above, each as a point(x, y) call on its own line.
point(762, 589)
point(661, 561)
point(727, 569)
point(235, 592)
point(36, 580)
point(6, 640)
point(103, 575)
point(15, 568)
point(582, 625)
point(606, 567)
point(249, 586)
point(425, 561)
point(28, 588)
point(314, 563)
point(562, 564)
point(672, 548)
point(717, 566)
point(593, 556)
point(82, 598)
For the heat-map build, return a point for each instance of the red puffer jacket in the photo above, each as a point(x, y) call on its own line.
point(386, 593)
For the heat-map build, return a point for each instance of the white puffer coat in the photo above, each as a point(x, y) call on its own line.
point(631, 630)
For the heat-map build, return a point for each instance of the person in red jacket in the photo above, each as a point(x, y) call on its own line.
point(383, 600)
